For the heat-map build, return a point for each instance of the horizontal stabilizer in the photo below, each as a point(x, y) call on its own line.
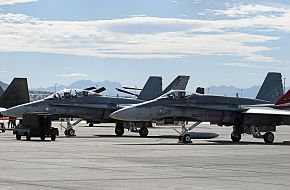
point(131, 88)
point(90, 88)
point(99, 90)
point(126, 92)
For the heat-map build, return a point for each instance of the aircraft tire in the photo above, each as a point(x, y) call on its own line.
point(236, 137)
point(269, 137)
point(3, 129)
point(143, 132)
point(91, 124)
point(42, 138)
point(186, 138)
point(53, 137)
point(65, 133)
point(28, 137)
point(18, 137)
point(119, 130)
point(71, 132)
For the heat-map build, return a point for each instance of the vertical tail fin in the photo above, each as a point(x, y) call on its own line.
point(1, 91)
point(179, 83)
point(16, 93)
point(284, 100)
point(151, 89)
point(272, 88)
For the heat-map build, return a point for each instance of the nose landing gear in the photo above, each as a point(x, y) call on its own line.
point(184, 135)
point(69, 131)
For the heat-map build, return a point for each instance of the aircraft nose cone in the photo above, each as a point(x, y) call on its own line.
point(113, 115)
point(10, 112)
point(3, 111)
point(119, 115)
point(125, 114)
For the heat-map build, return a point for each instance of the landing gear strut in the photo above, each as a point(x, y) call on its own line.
point(69, 131)
point(184, 136)
point(268, 136)
point(2, 127)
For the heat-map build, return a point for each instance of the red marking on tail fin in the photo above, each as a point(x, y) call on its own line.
point(284, 99)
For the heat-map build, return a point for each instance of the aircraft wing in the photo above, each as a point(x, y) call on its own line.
point(267, 111)
point(88, 106)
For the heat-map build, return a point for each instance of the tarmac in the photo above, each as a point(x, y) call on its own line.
point(97, 159)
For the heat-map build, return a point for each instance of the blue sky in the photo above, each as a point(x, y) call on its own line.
point(216, 42)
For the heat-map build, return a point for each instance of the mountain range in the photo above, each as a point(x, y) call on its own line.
point(81, 84)
point(250, 92)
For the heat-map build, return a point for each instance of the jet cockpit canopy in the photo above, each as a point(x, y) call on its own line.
point(71, 93)
point(174, 94)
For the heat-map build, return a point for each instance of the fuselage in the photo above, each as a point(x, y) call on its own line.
point(93, 108)
point(196, 107)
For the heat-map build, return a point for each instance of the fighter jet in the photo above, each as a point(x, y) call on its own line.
point(250, 116)
point(94, 108)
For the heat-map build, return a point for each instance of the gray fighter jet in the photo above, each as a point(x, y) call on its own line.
point(251, 116)
point(94, 108)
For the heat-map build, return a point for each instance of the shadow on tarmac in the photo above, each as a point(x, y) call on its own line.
point(222, 142)
point(124, 136)
point(208, 142)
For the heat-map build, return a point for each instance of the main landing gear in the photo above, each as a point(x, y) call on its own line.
point(69, 131)
point(184, 135)
point(268, 136)
point(119, 129)
point(143, 132)
point(2, 128)
point(133, 127)
point(239, 130)
point(236, 135)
